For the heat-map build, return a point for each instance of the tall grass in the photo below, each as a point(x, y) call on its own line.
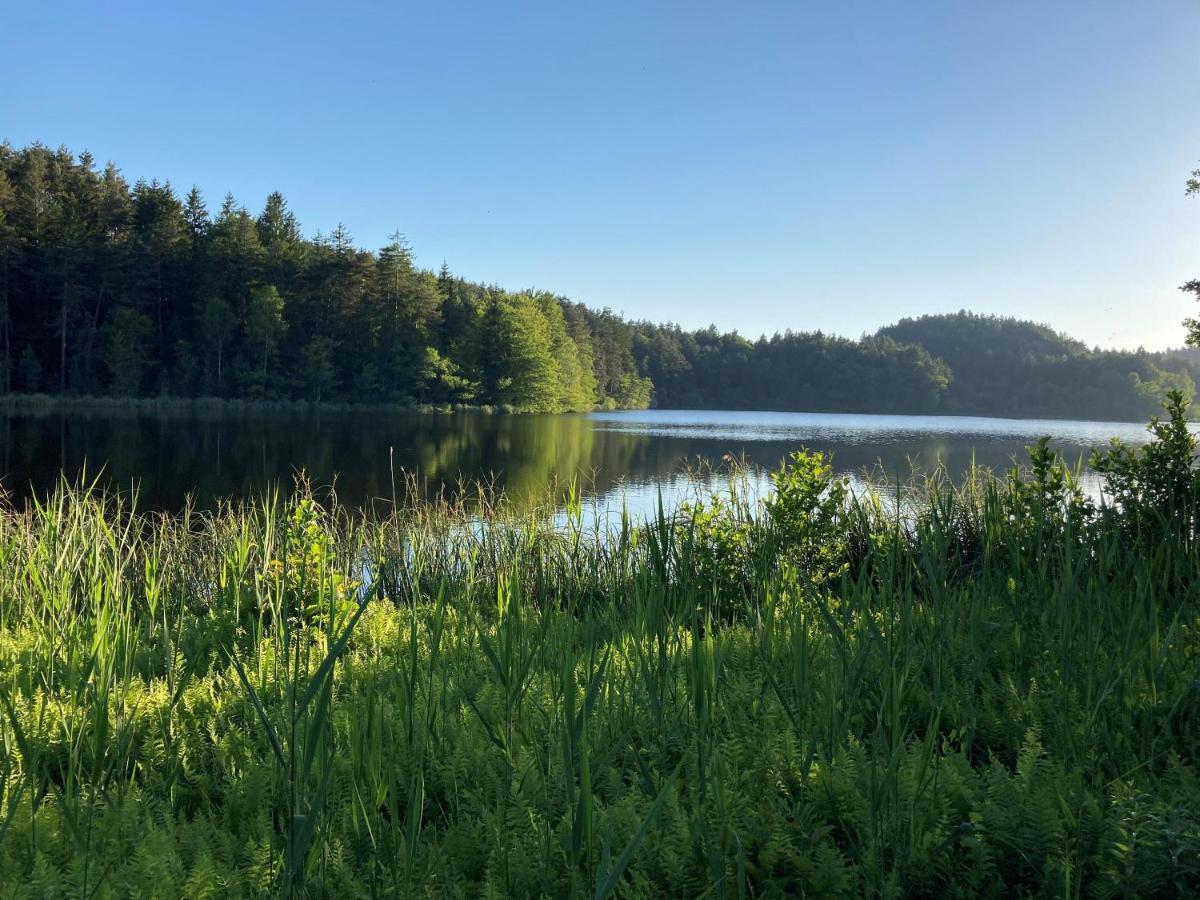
point(989, 690)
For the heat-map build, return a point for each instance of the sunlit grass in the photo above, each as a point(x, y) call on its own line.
point(993, 693)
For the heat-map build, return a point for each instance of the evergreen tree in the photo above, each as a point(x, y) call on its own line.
point(195, 213)
point(161, 231)
point(406, 309)
point(236, 254)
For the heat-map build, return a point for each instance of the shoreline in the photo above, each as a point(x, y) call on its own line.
point(21, 403)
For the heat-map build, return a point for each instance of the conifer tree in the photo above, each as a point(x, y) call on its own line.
point(195, 213)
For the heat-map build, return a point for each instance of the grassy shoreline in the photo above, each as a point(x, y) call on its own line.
point(992, 695)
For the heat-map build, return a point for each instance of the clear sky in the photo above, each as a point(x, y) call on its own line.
point(832, 165)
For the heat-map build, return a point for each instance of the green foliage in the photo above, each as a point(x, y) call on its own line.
point(1044, 501)
point(125, 337)
point(317, 364)
point(524, 374)
point(799, 527)
point(790, 371)
point(722, 535)
point(217, 325)
point(443, 383)
point(989, 692)
point(264, 312)
point(81, 250)
point(1156, 486)
point(572, 362)
point(805, 510)
point(633, 392)
point(1002, 366)
point(1157, 383)
point(264, 327)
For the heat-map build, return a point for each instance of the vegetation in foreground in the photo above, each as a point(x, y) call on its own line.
point(993, 694)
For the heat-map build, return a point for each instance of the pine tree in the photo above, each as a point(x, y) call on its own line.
point(195, 213)
point(279, 235)
point(71, 225)
point(276, 223)
point(162, 232)
point(406, 309)
point(112, 258)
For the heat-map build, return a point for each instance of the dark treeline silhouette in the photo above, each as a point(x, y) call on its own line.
point(108, 288)
point(134, 290)
point(1007, 367)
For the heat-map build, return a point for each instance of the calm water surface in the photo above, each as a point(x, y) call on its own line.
point(620, 457)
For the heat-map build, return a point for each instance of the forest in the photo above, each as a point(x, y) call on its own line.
point(139, 290)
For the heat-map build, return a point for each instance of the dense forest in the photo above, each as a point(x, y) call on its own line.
point(141, 291)
point(1010, 368)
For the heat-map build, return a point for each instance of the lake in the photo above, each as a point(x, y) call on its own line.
point(619, 457)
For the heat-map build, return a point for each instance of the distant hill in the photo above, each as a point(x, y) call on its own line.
point(1005, 366)
point(966, 340)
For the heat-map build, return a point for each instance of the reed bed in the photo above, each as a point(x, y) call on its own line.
point(988, 690)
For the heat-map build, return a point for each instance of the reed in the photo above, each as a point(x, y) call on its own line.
point(979, 689)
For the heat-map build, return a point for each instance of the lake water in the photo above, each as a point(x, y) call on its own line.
point(619, 457)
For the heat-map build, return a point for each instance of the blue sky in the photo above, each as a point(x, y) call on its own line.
point(758, 165)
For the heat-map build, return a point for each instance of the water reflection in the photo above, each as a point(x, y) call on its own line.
point(631, 455)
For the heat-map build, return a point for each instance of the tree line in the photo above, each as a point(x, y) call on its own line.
point(108, 287)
